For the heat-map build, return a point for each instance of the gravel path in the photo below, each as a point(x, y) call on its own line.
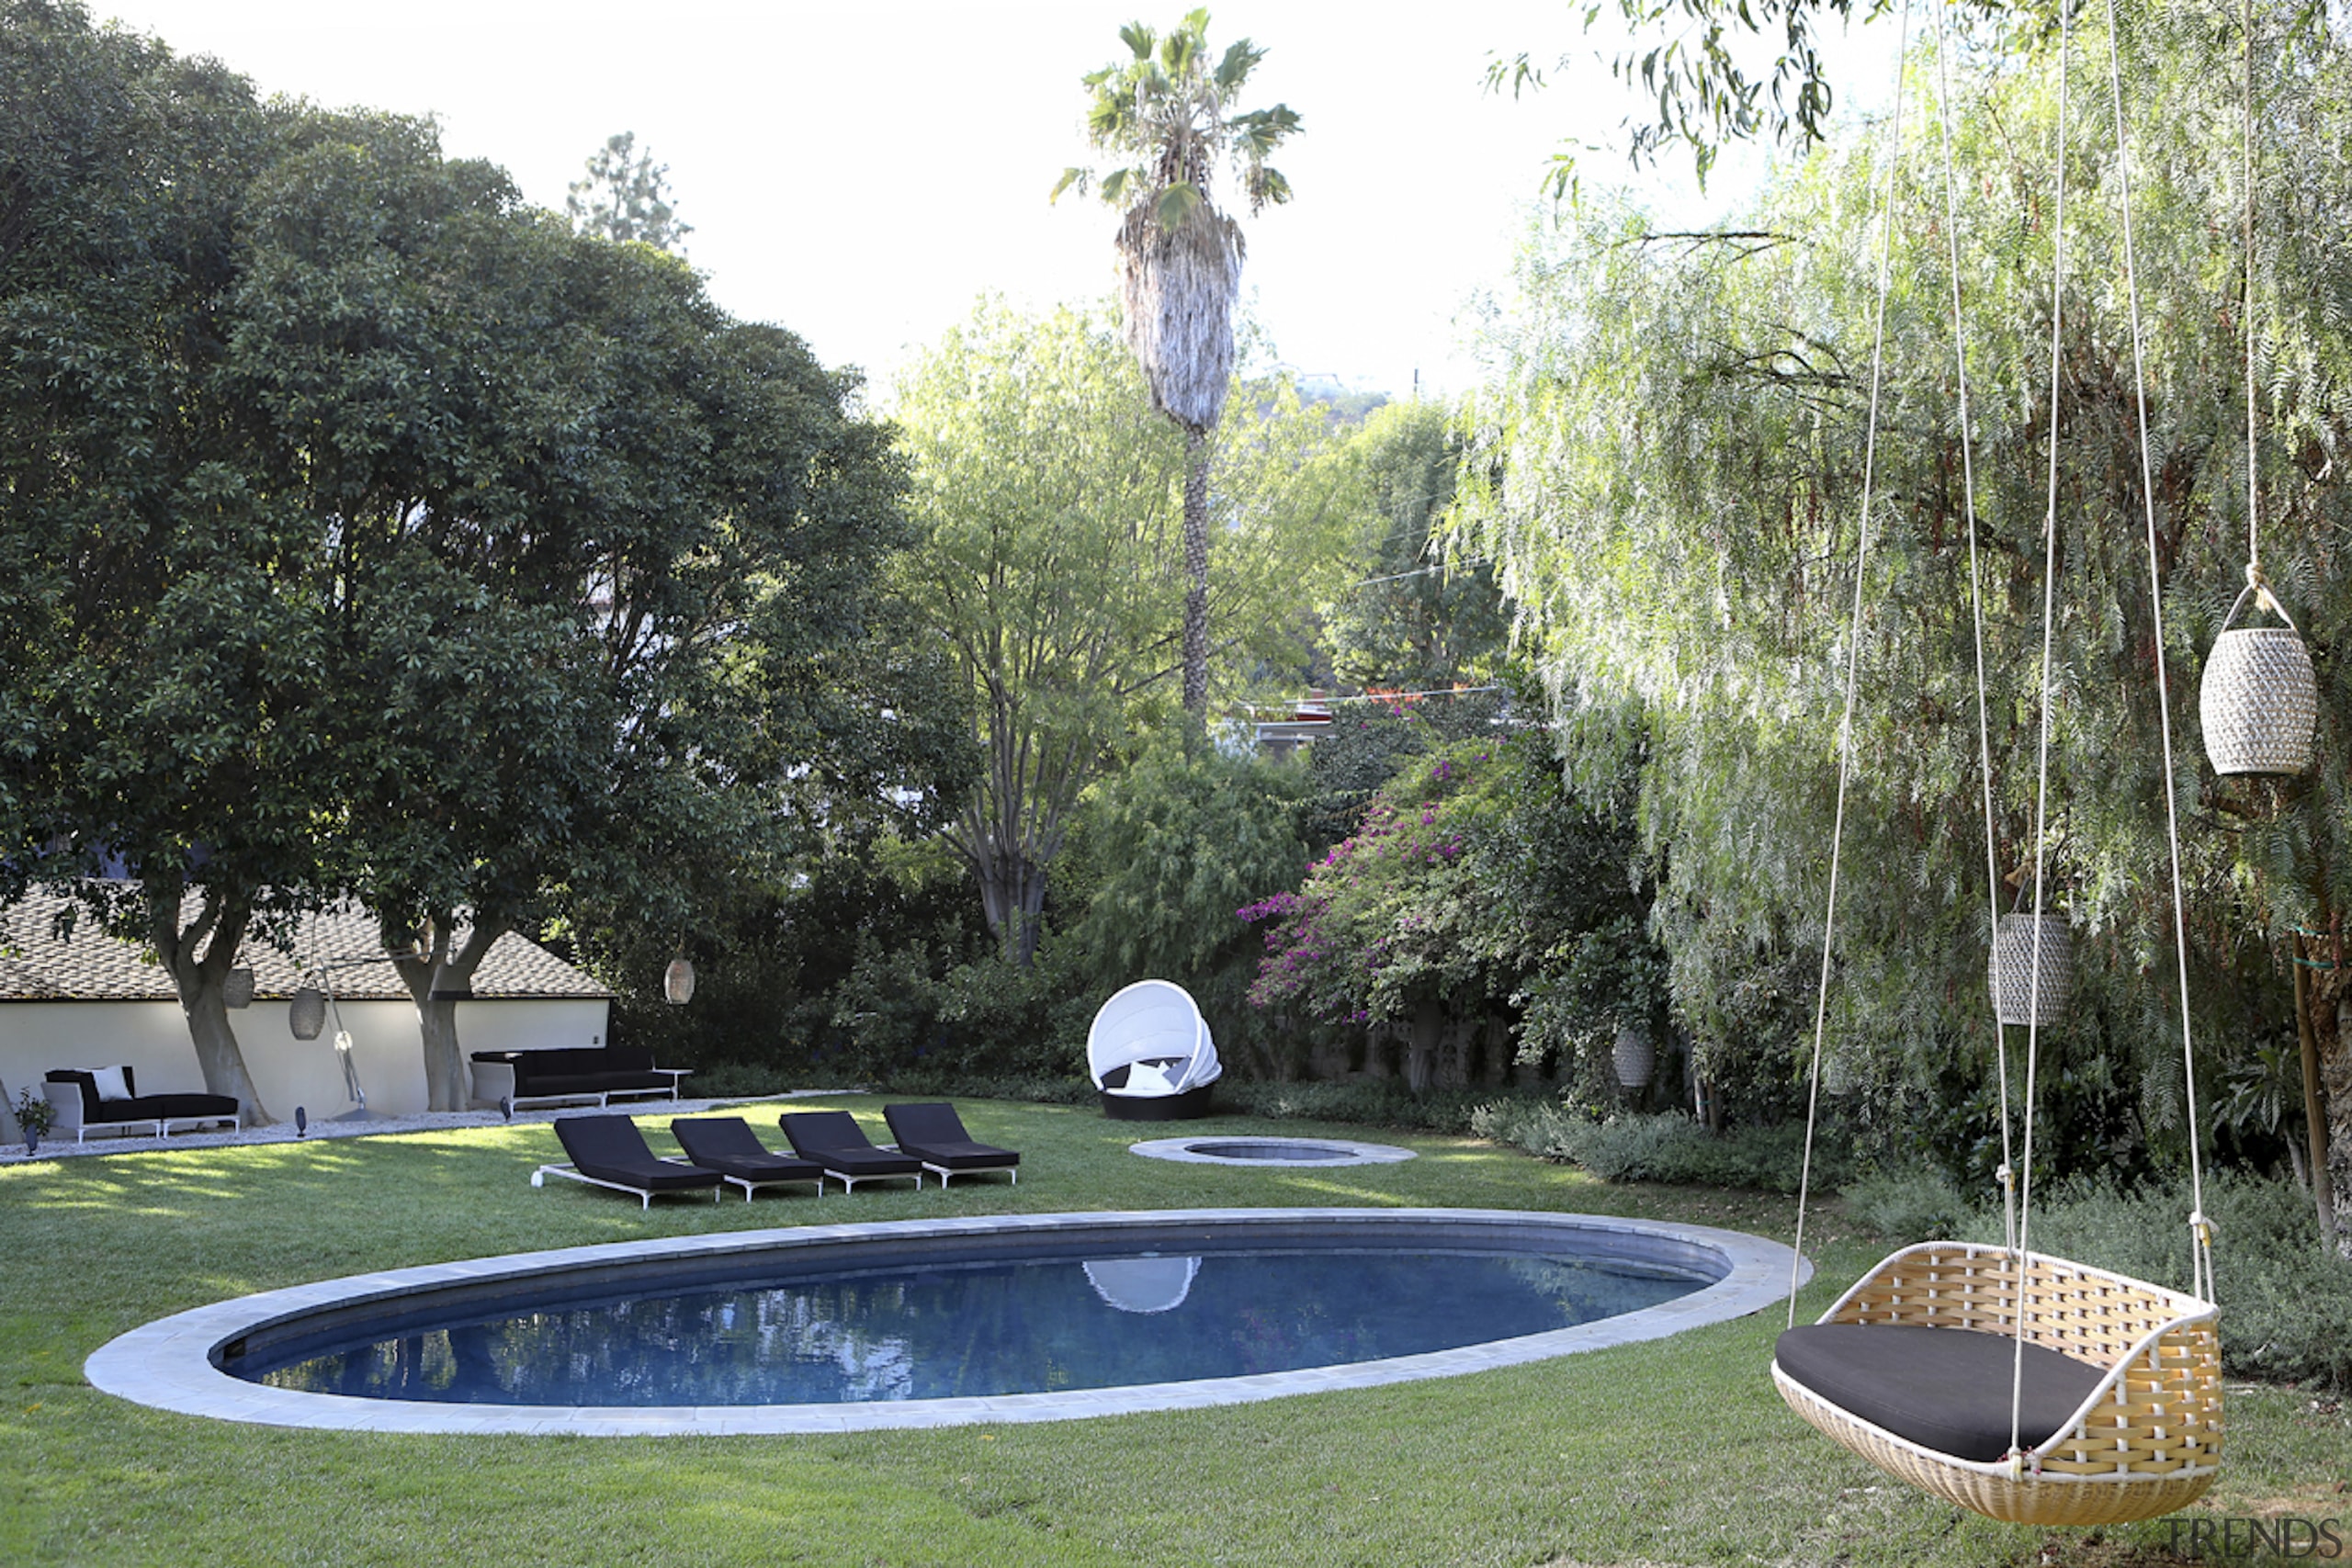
point(375, 1125)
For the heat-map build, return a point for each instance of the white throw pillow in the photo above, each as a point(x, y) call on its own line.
point(1148, 1077)
point(108, 1081)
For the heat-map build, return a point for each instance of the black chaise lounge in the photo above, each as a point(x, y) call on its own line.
point(728, 1145)
point(834, 1139)
point(934, 1134)
point(608, 1151)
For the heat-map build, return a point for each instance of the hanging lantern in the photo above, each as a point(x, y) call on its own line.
point(1636, 1058)
point(1841, 1074)
point(2258, 699)
point(678, 981)
point(2014, 993)
point(237, 990)
point(306, 1013)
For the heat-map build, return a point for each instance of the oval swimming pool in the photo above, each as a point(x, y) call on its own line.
point(923, 1323)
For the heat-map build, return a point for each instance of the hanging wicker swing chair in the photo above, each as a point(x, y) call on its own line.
point(2022, 1386)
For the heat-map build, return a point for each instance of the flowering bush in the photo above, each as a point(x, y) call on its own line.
point(1475, 882)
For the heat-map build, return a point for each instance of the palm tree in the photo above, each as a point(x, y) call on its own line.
point(1166, 114)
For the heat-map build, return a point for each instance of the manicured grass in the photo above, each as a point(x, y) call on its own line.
point(1678, 1451)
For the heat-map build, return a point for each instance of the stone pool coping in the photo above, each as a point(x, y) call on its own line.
point(168, 1364)
point(1183, 1152)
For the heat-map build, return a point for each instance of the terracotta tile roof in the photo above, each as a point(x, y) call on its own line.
point(36, 966)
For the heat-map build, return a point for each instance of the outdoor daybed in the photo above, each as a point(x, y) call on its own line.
point(934, 1134)
point(107, 1100)
point(1151, 1055)
point(572, 1073)
point(608, 1151)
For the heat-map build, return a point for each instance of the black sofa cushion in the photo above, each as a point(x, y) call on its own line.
point(140, 1107)
point(1945, 1389)
point(577, 1070)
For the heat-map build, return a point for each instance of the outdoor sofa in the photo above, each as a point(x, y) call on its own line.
point(85, 1105)
point(569, 1074)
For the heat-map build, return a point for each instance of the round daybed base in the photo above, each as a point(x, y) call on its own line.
point(1183, 1106)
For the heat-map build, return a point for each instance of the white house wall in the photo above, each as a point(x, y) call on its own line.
point(152, 1038)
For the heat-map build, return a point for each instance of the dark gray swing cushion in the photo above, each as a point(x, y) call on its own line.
point(1945, 1389)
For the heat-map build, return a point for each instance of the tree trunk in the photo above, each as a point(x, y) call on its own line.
point(2335, 1079)
point(2314, 1113)
point(434, 983)
point(198, 957)
point(1196, 572)
point(1012, 896)
point(1421, 1056)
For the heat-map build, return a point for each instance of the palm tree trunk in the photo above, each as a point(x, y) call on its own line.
point(1196, 572)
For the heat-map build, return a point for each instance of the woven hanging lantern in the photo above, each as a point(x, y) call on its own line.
point(2259, 699)
point(1636, 1058)
point(237, 990)
point(1841, 1074)
point(678, 981)
point(2014, 994)
point(306, 1013)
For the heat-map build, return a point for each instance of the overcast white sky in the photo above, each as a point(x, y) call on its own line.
point(860, 171)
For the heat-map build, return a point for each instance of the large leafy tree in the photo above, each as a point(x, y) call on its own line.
point(1668, 466)
point(1167, 113)
point(162, 696)
point(1043, 486)
point(603, 559)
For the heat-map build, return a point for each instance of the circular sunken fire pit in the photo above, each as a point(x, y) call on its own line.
point(1270, 1150)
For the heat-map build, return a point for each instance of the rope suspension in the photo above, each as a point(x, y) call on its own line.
point(2202, 1240)
point(1975, 593)
point(1853, 657)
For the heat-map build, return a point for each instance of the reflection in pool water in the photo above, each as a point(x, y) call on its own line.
point(929, 1330)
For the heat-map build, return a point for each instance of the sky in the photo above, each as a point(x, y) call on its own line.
point(862, 171)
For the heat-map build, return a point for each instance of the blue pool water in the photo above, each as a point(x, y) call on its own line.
point(932, 1329)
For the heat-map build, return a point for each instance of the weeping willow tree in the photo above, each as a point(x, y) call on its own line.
point(1168, 111)
point(1667, 462)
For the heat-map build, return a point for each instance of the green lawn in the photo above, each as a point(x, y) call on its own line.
point(1678, 1451)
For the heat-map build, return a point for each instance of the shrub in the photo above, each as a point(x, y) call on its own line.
point(1907, 1204)
point(2285, 1300)
point(1668, 1147)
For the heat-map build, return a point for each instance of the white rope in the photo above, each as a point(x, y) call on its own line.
point(2024, 1254)
point(2252, 543)
point(1853, 657)
point(1975, 604)
point(2200, 1246)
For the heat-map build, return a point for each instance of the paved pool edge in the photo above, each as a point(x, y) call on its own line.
point(168, 1364)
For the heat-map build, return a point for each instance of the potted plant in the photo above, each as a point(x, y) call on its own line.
point(35, 1115)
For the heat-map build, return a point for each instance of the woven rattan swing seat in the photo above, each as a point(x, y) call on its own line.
point(2121, 1416)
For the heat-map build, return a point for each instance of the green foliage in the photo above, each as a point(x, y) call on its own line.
point(1907, 1204)
point(1166, 111)
point(626, 196)
point(1415, 621)
point(2285, 1300)
point(1161, 855)
point(1476, 885)
point(1667, 468)
point(1667, 1147)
